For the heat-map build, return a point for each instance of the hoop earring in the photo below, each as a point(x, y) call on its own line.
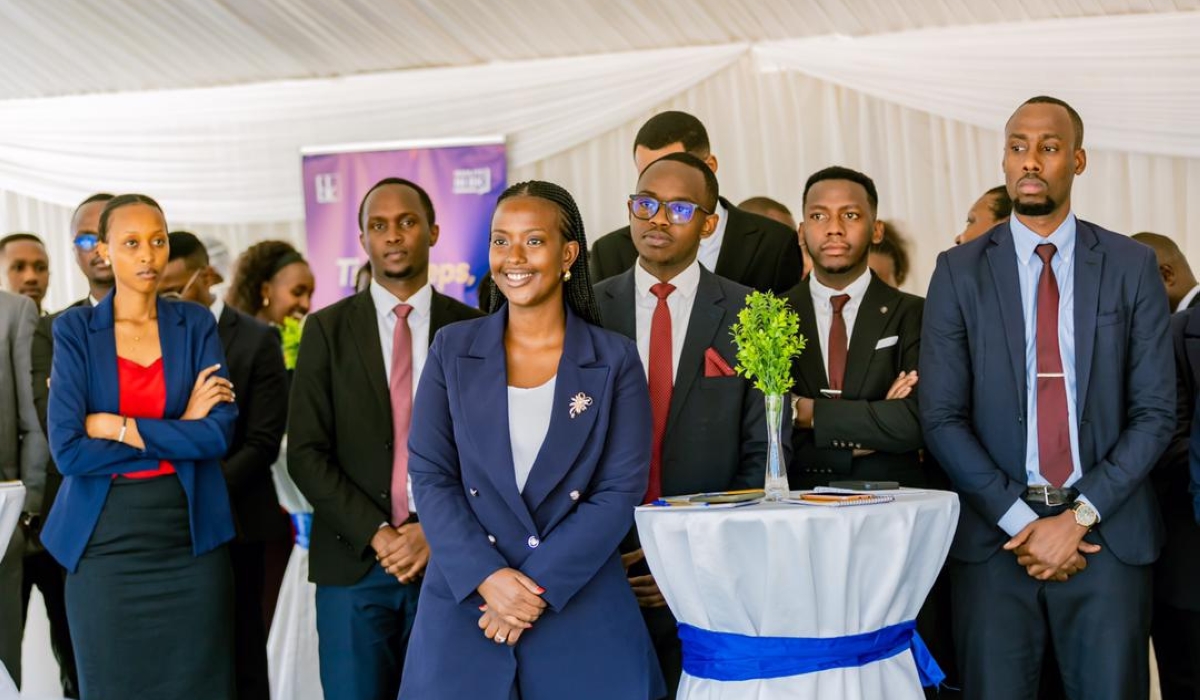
point(566, 276)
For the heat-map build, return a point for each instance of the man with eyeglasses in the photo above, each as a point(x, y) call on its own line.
point(255, 361)
point(710, 430)
point(747, 248)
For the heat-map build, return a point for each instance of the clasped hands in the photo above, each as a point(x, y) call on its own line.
point(1052, 548)
point(401, 551)
point(512, 603)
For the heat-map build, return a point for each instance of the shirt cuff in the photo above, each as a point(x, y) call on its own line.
point(1017, 517)
point(1084, 498)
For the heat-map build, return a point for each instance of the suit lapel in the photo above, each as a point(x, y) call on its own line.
point(364, 333)
point(810, 366)
point(1089, 267)
point(483, 395)
point(102, 348)
point(439, 314)
point(620, 305)
point(176, 354)
point(579, 378)
point(738, 246)
point(703, 325)
point(227, 327)
point(873, 313)
point(1002, 261)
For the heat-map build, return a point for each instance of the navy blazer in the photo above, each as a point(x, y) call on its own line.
point(562, 530)
point(83, 380)
point(973, 390)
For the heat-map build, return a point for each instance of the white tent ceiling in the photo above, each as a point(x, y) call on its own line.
point(63, 47)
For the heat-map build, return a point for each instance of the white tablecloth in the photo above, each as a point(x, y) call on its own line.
point(783, 570)
point(12, 500)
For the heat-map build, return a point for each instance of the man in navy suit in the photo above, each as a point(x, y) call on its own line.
point(1047, 393)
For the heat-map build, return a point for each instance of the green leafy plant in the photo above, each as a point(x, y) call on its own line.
point(290, 332)
point(767, 335)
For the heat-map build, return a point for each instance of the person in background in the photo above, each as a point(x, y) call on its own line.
point(1183, 292)
point(889, 258)
point(529, 450)
point(25, 267)
point(772, 209)
point(141, 413)
point(255, 363)
point(992, 208)
point(272, 282)
point(362, 278)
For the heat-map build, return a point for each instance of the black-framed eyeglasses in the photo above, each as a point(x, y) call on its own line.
point(87, 242)
point(644, 207)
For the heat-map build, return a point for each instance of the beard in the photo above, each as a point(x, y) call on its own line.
point(1042, 208)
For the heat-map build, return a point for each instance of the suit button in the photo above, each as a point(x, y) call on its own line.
point(384, 495)
point(533, 542)
point(388, 444)
point(574, 495)
point(474, 492)
point(492, 539)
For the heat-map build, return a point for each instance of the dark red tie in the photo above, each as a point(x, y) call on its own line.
point(662, 380)
point(837, 342)
point(1054, 438)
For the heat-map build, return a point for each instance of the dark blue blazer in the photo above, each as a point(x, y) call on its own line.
point(562, 530)
point(83, 380)
point(973, 390)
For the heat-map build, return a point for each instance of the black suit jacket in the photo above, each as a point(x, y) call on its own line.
point(756, 251)
point(42, 357)
point(716, 435)
point(1178, 569)
point(340, 431)
point(862, 418)
point(255, 358)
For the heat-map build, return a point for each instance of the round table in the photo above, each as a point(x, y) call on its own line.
point(787, 570)
point(12, 500)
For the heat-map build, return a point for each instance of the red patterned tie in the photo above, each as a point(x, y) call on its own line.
point(837, 342)
point(662, 381)
point(400, 385)
point(1054, 438)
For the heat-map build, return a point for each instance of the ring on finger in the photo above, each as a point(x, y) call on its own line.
point(500, 639)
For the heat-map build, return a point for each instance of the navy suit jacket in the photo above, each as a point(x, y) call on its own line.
point(83, 380)
point(562, 530)
point(973, 397)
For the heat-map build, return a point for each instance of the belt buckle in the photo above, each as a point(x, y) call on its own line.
point(1046, 497)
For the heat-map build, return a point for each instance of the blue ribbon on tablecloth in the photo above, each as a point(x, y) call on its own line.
point(724, 656)
point(302, 526)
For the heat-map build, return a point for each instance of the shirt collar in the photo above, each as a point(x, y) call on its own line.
point(217, 308)
point(385, 301)
point(685, 282)
point(1025, 240)
point(1187, 298)
point(855, 289)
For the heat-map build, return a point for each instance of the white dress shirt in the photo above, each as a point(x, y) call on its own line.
point(418, 323)
point(528, 423)
point(710, 248)
point(679, 303)
point(823, 309)
point(217, 308)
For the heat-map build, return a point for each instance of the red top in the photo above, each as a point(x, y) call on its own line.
point(143, 395)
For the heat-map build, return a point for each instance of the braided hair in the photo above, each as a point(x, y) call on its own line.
point(258, 264)
point(578, 290)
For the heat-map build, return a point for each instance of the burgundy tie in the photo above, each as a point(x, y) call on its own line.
point(400, 385)
point(662, 380)
point(1054, 441)
point(837, 342)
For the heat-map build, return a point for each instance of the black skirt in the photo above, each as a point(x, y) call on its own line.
point(149, 620)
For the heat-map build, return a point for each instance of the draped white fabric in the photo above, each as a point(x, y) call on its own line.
point(224, 161)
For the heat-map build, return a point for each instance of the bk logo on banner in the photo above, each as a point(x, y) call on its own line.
point(328, 188)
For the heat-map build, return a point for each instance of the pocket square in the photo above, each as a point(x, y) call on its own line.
point(887, 342)
point(715, 365)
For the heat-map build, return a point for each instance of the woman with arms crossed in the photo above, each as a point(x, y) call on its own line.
point(529, 449)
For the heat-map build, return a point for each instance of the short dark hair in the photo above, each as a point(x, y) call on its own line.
point(14, 237)
point(98, 197)
point(186, 246)
point(894, 245)
point(666, 128)
point(1076, 120)
point(837, 172)
point(762, 204)
point(426, 202)
point(711, 189)
point(1001, 206)
point(123, 201)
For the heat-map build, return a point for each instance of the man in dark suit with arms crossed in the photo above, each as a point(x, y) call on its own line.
point(1047, 393)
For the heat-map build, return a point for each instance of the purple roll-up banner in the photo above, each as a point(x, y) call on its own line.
point(464, 178)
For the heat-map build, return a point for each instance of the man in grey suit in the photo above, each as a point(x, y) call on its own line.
point(709, 424)
point(23, 455)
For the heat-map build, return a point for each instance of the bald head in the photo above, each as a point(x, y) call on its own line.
point(1176, 273)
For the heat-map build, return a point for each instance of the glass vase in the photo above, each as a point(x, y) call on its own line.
point(776, 486)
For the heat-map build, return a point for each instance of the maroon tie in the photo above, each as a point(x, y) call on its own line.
point(400, 385)
point(1054, 441)
point(662, 380)
point(837, 342)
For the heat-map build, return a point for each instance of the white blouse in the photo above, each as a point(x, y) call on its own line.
point(528, 423)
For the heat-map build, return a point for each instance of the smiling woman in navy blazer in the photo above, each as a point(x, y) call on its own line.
point(529, 449)
point(140, 412)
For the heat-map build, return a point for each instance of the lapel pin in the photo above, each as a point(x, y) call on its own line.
point(579, 404)
point(883, 309)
